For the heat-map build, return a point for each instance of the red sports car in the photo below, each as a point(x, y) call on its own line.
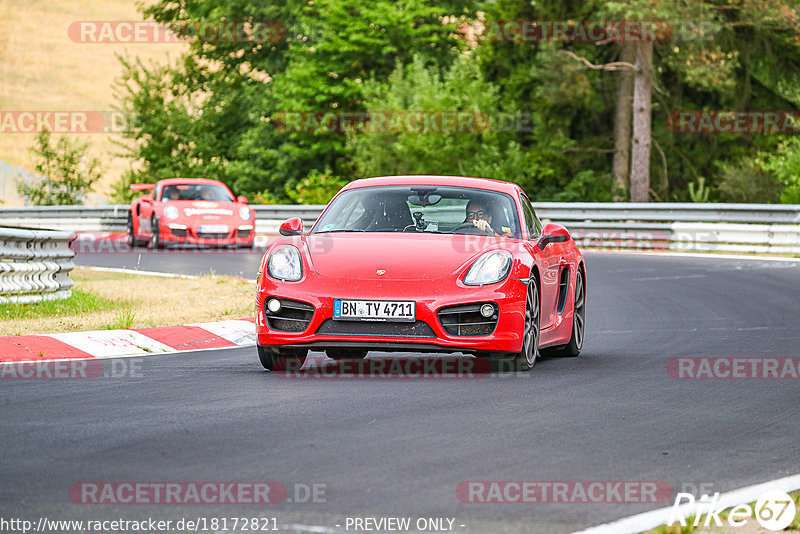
point(422, 264)
point(192, 211)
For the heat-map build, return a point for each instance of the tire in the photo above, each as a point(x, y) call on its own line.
point(155, 234)
point(346, 354)
point(133, 242)
point(573, 348)
point(275, 361)
point(525, 358)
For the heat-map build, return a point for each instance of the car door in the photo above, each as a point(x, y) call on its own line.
point(550, 264)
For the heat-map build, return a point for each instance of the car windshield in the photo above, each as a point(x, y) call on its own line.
point(421, 208)
point(196, 192)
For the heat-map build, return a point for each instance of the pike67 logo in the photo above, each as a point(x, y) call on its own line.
point(774, 510)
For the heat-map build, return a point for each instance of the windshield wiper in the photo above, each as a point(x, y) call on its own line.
point(341, 230)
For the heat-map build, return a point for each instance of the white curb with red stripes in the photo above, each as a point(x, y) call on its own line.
point(134, 342)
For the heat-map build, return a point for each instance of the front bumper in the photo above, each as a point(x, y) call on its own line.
point(430, 296)
point(175, 233)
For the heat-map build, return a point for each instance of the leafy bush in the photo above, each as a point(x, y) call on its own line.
point(785, 165)
point(316, 188)
point(743, 180)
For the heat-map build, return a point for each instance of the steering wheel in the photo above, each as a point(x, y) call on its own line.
point(470, 229)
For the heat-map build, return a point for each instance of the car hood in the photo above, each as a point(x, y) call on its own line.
point(399, 256)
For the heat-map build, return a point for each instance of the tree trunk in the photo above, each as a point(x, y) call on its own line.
point(622, 125)
point(640, 150)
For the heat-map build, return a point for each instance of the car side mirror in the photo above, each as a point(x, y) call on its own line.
point(553, 233)
point(293, 226)
point(547, 239)
point(241, 199)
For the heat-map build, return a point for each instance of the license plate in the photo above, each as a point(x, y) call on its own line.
point(213, 229)
point(374, 310)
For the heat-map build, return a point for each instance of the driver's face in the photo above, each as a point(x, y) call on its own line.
point(478, 212)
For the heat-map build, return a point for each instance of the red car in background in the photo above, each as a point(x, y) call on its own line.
point(192, 211)
point(422, 264)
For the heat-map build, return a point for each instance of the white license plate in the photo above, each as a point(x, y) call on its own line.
point(213, 229)
point(374, 310)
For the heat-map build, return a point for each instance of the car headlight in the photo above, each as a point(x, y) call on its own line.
point(284, 263)
point(490, 268)
point(171, 212)
point(244, 213)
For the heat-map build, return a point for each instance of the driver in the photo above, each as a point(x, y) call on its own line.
point(478, 214)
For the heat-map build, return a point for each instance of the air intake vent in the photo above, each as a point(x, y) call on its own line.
point(467, 320)
point(375, 328)
point(563, 289)
point(293, 315)
point(212, 236)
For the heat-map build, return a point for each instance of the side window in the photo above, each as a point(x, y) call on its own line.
point(531, 221)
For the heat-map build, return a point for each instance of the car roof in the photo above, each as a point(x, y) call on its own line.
point(426, 179)
point(206, 181)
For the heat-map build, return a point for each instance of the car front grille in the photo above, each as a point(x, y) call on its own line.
point(466, 320)
point(375, 328)
point(293, 316)
point(243, 233)
point(207, 235)
point(178, 232)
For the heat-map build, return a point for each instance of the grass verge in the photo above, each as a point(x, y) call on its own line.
point(103, 300)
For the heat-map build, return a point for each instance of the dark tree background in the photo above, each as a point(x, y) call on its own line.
point(212, 113)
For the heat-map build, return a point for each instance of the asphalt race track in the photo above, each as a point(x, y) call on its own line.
point(400, 447)
point(240, 262)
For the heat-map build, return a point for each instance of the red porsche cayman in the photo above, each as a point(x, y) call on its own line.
point(191, 211)
point(422, 264)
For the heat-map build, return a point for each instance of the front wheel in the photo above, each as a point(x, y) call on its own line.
point(524, 360)
point(155, 234)
point(273, 361)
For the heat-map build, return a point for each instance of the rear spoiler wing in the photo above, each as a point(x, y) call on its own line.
point(142, 187)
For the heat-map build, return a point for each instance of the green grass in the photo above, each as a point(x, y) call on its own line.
point(80, 302)
point(123, 321)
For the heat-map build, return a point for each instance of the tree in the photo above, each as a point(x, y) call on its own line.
point(67, 172)
point(489, 147)
point(210, 113)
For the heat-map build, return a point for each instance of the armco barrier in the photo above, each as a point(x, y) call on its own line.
point(35, 264)
point(772, 228)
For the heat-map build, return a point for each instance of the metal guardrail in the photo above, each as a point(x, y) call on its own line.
point(678, 226)
point(35, 264)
